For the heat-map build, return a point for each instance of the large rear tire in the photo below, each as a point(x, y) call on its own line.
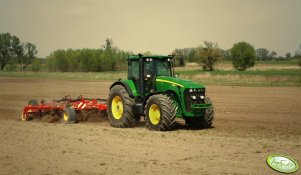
point(120, 112)
point(160, 113)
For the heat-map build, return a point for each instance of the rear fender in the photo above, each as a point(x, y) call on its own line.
point(125, 85)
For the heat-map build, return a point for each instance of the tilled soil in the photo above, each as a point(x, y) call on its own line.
point(251, 123)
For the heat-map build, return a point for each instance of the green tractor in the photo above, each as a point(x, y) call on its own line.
point(153, 90)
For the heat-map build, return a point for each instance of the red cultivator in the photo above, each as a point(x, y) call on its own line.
point(66, 108)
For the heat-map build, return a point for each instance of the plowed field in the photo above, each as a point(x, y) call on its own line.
point(251, 123)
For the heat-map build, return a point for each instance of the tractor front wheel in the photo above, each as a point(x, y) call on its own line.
point(120, 112)
point(160, 113)
point(209, 114)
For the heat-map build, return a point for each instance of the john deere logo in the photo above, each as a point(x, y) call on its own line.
point(282, 164)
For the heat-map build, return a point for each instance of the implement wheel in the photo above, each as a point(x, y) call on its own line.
point(120, 112)
point(160, 113)
point(24, 116)
point(28, 116)
point(69, 115)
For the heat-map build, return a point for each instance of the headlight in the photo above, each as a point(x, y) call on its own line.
point(190, 90)
point(202, 97)
point(193, 97)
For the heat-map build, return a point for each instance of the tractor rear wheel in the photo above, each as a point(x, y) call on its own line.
point(120, 112)
point(69, 115)
point(160, 113)
point(206, 121)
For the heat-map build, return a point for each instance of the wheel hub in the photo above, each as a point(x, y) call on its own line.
point(66, 116)
point(154, 114)
point(117, 107)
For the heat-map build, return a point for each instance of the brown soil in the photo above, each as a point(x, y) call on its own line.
point(251, 123)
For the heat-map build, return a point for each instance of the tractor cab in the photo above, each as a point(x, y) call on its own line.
point(158, 67)
point(143, 70)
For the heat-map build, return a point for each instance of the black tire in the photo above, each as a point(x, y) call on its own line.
point(69, 115)
point(209, 114)
point(206, 121)
point(167, 113)
point(120, 112)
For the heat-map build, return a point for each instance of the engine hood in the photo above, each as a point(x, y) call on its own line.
point(178, 82)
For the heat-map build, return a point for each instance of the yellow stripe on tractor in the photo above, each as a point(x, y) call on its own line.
point(166, 81)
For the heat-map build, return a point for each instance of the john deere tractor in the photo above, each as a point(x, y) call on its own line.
point(152, 90)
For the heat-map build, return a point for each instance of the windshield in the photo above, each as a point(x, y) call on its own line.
point(158, 68)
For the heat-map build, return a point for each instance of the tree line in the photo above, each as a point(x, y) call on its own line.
point(243, 55)
point(13, 51)
point(107, 58)
point(261, 54)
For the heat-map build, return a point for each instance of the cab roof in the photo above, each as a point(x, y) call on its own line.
point(161, 57)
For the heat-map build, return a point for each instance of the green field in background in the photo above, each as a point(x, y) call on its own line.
point(269, 77)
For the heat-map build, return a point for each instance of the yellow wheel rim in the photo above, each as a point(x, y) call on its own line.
point(23, 116)
point(117, 107)
point(154, 114)
point(66, 116)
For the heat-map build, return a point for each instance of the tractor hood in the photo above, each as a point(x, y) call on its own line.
point(178, 82)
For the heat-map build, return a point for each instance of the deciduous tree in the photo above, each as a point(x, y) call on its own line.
point(262, 54)
point(243, 56)
point(208, 55)
point(12, 50)
point(288, 55)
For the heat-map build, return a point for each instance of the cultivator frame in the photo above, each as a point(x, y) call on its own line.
point(36, 109)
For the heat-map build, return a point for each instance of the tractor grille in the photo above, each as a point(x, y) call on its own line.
point(189, 101)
